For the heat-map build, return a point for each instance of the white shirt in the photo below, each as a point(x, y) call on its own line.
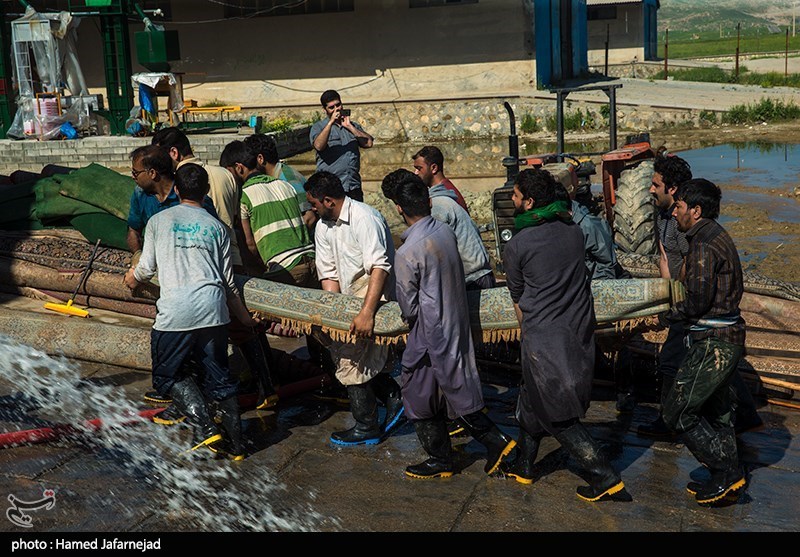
point(350, 248)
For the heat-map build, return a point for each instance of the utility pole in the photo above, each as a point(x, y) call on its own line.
point(666, 53)
point(786, 58)
point(738, 37)
point(608, 27)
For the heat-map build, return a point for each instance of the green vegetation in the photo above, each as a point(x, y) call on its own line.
point(766, 110)
point(577, 120)
point(719, 75)
point(280, 124)
point(708, 116)
point(726, 46)
point(529, 123)
point(283, 124)
point(213, 103)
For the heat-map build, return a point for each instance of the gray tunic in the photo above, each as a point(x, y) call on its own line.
point(548, 279)
point(438, 358)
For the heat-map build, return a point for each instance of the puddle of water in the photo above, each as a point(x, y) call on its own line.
point(764, 165)
point(208, 495)
point(778, 208)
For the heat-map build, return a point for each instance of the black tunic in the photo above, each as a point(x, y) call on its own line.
point(548, 279)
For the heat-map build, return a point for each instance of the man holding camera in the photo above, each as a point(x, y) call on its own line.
point(337, 142)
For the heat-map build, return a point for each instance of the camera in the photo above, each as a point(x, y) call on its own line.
point(345, 112)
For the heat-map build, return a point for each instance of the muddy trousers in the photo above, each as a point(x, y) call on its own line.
point(702, 386)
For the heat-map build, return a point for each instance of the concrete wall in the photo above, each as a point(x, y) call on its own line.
point(626, 36)
point(383, 50)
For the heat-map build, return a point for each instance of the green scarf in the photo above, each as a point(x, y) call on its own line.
point(540, 215)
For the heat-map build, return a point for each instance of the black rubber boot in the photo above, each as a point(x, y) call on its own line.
point(257, 357)
point(231, 446)
point(455, 427)
point(388, 392)
point(189, 401)
point(152, 397)
point(434, 439)
point(603, 479)
point(498, 444)
point(658, 429)
point(527, 450)
point(169, 416)
point(717, 450)
point(745, 416)
point(364, 406)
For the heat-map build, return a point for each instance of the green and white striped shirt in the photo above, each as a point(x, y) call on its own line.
point(280, 234)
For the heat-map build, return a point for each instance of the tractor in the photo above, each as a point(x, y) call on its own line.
point(625, 203)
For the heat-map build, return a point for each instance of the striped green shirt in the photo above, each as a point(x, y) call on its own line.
point(271, 207)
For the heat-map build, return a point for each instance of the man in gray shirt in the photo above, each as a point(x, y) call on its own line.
point(191, 250)
point(337, 142)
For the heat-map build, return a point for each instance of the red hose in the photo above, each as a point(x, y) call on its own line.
point(44, 434)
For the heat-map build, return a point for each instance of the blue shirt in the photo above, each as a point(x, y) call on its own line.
point(145, 205)
point(342, 156)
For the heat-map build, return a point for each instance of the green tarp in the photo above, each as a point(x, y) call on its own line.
point(94, 200)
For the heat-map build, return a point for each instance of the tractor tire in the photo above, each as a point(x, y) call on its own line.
point(634, 211)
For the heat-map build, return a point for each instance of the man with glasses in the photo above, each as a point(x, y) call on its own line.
point(337, 142)
point(151, 168)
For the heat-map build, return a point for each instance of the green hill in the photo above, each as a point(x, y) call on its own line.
point(706, 20)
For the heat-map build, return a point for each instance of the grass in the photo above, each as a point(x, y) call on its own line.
point(727, 46)
point(529, 123)
point(746, 77)
point(283, 124)
point(213, 103)
point(573, 120)
point(766, 110)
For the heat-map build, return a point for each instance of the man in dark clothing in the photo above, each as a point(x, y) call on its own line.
point(698, 405)
point(439, 370)
point(669, 172)
point(550, 287)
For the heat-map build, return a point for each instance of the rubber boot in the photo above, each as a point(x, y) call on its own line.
point(257, 358)
point(152, 397)
point(603, 479)
point(169, 416)
point(231, 446)
point(746, 416)
point(717, 451)
point(498, 444)
point(189, 401)
point(527, 450)
point(658, 429)
point(364, 406)
point(455, 428)
point(434, 439)
point(388, 392)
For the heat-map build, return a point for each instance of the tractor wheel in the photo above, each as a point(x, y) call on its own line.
point(634, 212)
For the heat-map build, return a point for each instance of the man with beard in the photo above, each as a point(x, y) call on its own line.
point(670, 171)
point(355, 255)
point(550, 288)
point(698, 405)
point(337, 142)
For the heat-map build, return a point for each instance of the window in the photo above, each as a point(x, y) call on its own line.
point(262, 8)
point(430, 3)
point(601, 12)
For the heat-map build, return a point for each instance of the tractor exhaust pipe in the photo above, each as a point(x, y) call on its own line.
point(511, 162)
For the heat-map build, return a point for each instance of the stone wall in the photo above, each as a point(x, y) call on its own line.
point(412, 122)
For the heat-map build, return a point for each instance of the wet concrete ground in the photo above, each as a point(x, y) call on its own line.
point(363, 489)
